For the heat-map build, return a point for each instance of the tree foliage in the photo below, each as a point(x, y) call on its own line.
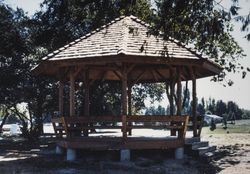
point(24, 41)
point(204, 25)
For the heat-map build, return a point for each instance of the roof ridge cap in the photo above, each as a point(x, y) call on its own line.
point(136, 19)
point(192, 50)
point(125, 32)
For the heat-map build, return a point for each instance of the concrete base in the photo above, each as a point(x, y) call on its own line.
point(179, 153)
point(59, 150)
point(125, 155)
point(71, 154)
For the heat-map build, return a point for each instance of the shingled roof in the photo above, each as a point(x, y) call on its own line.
point(126, 37)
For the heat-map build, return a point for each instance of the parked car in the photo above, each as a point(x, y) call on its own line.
point(208, 118)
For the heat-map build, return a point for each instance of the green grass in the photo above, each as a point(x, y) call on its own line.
point(240, 126)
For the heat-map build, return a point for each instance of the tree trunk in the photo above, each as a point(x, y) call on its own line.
point(4, 119)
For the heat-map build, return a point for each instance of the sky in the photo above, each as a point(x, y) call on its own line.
point(239, 92)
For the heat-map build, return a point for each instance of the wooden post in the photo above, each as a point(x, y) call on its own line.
point(124, 101)
point(171, 102)
point(179, 93)
point(194, 104)
point(171, 92)
point(86, 98)
point(129, 100)
point(72, 95)
point(129, 106)
point(171, 99)
point(61, 86)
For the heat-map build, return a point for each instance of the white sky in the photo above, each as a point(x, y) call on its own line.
point(239, 92)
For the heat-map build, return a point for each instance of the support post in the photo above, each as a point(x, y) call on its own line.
point(72, 95)
point(71, 154)
point(179, 91)
point(171, 96)
point(61, 85)
point(124, 101)
point(194, 104)
point(86, 98)
point(129, 107)
point(60, 102)
point(171, 102)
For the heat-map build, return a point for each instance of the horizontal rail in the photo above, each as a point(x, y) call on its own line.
point(150, 118)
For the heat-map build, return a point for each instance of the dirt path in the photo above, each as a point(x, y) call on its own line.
point(235, 152)
point(17, 156)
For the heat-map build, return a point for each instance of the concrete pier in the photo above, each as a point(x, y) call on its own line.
point(125, 155)
point(59, 150)
point(71, 154)
point(179, 153)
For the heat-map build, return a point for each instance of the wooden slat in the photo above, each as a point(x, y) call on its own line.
point(57, 120)
point(154, 127)
point(117, 143)
point(94, 127)
point(90, 119)
point(156, 118)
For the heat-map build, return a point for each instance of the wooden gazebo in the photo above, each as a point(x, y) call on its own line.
point(125, 51)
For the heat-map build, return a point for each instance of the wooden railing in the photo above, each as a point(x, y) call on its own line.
point(77, 126)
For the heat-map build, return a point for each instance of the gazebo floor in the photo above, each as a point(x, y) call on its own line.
point(118, 143)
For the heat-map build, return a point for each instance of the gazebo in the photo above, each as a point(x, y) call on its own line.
point(124, 51)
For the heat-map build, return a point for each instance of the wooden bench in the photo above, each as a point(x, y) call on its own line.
point(78, 126)
point(165, 122)
point(59, 126)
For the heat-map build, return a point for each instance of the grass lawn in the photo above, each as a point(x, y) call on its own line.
point(240, 126)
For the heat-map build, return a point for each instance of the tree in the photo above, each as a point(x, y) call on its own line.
point(204, 25)
point(221, 108)
point(244, 19)
point(211, 106)
point(155, 111)
point(18, 85)
point(234, 111)
point(13, 49)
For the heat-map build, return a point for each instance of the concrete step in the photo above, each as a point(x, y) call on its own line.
point(202, 150)
point(197, 145)
point(192, 140)
point(208, 156)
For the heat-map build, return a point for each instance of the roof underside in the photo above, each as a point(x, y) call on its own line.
point(126, 40)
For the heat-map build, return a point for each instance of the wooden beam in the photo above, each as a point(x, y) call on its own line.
point(118, 74)
point(130, 68)
point(159, 74)
point(72, 95)
point(139, 77)
point(129, 100)
point(124, 107)
point(179, 92)
point(86, 96)
point(172, 84)
point(61, 102)
point(130, 106)
point(194, 103)
point(155, 77)
point(124, 91)
point(78, 70)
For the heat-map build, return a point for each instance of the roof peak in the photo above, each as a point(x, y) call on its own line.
point(122, 17)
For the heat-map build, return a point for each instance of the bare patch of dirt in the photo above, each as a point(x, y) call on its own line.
point(233, 154)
